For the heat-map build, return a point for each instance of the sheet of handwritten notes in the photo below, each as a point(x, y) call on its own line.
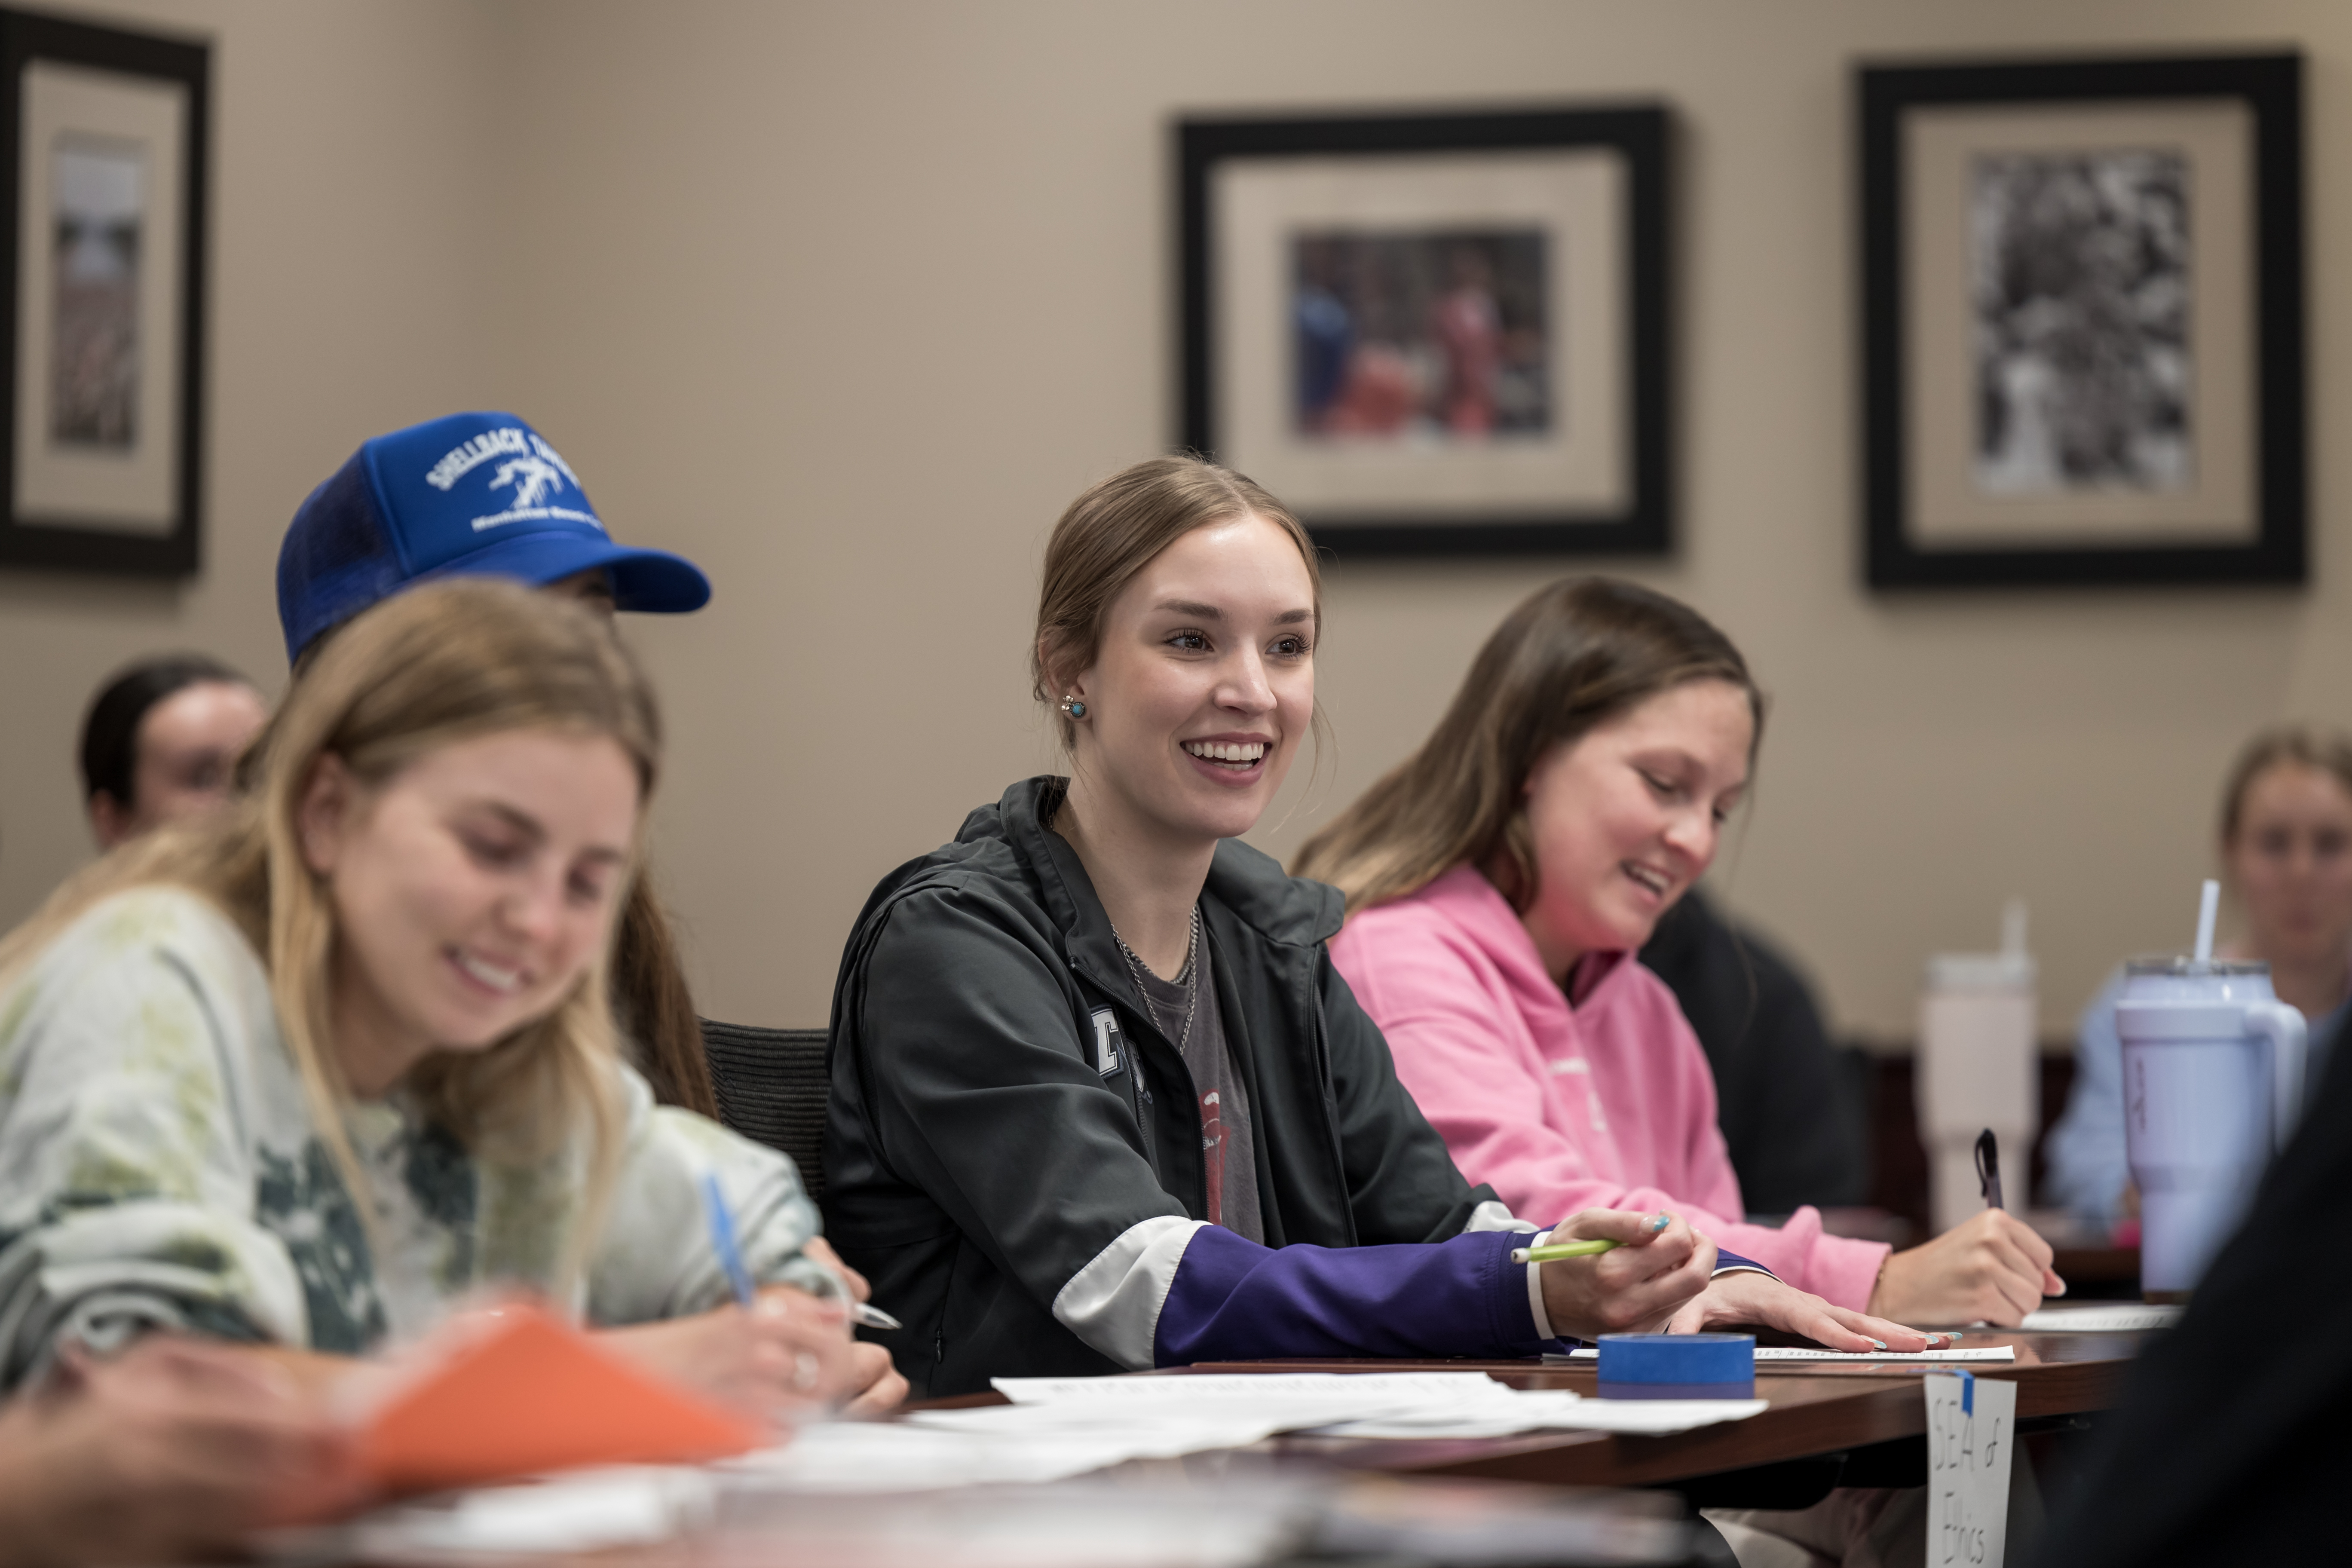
point(1971, 1431)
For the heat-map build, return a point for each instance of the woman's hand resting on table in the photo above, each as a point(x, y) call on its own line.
point(1636, 1285)
point(791, 1351)
point(1992, 1269)
point(1746, 1298)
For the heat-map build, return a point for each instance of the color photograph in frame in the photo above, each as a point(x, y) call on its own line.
point(2083, 323)
point(1435, 334)
point(102, 156)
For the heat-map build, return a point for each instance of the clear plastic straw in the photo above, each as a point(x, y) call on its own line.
point(2209, 904)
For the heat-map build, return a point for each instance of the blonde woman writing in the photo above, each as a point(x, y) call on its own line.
point(309, 1077)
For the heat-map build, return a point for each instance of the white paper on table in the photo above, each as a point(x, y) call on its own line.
point(580, 1511)
point(1259, 1389)
point(900, 1456)
point(1334, 1404)
point(2108, 1318)
point(1971, 1434)
point(1798, 1352)
point(1535, 1413)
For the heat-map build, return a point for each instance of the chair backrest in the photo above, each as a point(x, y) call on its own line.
point(771, 1086)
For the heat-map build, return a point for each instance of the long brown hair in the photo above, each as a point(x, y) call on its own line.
point(441, 663)
point(1572, 655)
point(1111, 533)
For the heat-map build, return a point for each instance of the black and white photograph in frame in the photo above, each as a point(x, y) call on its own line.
point(102, 137)
point(1435, 334)
point(2083, 315)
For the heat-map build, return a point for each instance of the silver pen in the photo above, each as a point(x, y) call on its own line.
point(872, 1317)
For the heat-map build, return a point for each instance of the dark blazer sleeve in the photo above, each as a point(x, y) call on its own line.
point(1402, 1184)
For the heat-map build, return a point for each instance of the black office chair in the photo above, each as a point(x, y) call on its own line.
point(772, 1086)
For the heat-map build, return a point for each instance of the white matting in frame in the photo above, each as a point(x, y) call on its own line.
point(2217, 503)
point(1577, 199)
point(128, 484)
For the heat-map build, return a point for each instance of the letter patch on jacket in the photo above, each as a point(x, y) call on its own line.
point(1106, 1054)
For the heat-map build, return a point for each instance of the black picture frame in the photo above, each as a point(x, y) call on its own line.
point(2269, 86)
point(32, 536)
point(1642, 524)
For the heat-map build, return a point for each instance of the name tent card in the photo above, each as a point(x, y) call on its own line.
point(1971, 1434)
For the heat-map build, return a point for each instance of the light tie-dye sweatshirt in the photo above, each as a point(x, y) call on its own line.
point(160, 1168)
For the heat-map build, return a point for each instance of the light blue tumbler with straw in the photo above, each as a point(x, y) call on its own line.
point(2213, 1067)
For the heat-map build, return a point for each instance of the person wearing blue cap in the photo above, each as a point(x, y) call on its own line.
point(468, 495)
point(484, 495)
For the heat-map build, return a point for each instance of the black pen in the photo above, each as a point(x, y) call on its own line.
point(1989, 1168)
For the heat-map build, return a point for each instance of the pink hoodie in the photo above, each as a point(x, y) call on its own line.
point(1606, 1105)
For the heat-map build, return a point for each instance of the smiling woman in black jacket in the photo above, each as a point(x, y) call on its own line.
point(1100, 1101)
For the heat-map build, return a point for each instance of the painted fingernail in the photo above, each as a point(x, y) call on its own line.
point(1659, 1222)
point(1878, 1344)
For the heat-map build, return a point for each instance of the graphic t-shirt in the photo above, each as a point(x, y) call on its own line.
point(1228, 1156)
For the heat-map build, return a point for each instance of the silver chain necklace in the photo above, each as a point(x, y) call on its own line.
point(1192, 980)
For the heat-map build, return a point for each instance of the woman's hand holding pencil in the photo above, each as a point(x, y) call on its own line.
point(1608, 1271)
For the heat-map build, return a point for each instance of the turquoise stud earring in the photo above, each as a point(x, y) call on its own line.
point(1073, 707)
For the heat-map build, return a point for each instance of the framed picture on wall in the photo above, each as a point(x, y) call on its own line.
point(102, 138)
point(2083, 321)
point(1434, 333)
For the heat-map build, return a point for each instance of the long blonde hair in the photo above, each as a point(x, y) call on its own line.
point(441, 663)
point(1571, 655)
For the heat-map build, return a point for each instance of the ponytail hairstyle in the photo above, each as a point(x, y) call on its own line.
point(1572, 656)
point(1111, 533)
point(442, 663)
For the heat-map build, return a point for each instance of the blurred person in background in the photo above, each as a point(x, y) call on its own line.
point(161, 741)
point(2286, 859)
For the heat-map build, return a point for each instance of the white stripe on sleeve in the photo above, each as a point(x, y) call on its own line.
point(1494, 1215)
point(1113, 1303)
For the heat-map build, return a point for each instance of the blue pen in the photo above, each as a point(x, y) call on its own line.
point(730, 1258)
point(722, 1239)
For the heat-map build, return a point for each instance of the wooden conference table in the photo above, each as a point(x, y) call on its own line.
point(1824, 1410)
point(1821, 1424)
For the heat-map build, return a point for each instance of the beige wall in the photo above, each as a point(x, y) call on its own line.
point(847, 300)
point(347, 295)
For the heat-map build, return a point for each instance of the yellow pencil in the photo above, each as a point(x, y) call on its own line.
point(1559, 1250)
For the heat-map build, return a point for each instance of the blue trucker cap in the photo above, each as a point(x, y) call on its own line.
point(471, 495)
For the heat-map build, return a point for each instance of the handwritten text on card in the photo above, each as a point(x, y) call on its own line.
point(1971, 1431)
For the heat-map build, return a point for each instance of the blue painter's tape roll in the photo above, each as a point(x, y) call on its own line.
point(1693, 1366)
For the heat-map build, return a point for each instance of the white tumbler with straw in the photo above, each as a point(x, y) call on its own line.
point(2213, 1082)
point(1978, 1069)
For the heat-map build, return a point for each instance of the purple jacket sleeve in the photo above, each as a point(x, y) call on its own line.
point(1233, 1300)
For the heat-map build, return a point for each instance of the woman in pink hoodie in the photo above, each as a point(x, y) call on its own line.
point(1499, 883)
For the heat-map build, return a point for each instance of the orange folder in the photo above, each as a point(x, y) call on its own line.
point(534, 1393)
